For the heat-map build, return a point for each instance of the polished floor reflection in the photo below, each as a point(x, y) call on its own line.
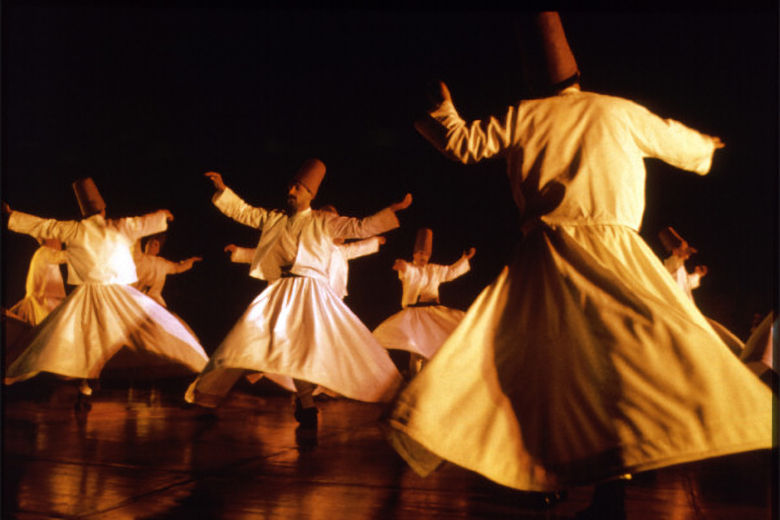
point(140, 453)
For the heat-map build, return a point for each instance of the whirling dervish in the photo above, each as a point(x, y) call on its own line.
point(583, 360)
point(104, 313)
point(423, 323)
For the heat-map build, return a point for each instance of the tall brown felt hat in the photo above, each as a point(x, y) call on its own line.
point(90, 201)
point(310, 174)
point(424, 241)
point(672, 240)
point(547, 58)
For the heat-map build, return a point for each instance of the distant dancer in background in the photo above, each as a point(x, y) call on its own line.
point(44, 288)
point(152, 269)
point(760, 348)
point(104, 313)
point(680, 251)
point(423, 323)
point(343, 252)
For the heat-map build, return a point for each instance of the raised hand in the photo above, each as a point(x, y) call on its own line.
point(469, 253)
point(398, 206)
point(438, 93)
point(717, 142)
point(216, 178)
point(168, 215)
point(230, 248)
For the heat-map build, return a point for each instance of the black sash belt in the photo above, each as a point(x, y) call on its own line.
point(424, 304)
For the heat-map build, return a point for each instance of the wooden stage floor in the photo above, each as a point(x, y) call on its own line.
point(140, 453)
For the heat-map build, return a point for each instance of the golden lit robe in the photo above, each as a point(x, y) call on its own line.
point(103, 314)
point(422, 329)
point(298, 327)
point(44, 288)
point(583, 360)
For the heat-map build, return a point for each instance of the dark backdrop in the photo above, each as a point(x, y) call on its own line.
point(145, 99)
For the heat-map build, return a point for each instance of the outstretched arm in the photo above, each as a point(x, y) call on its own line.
point(467, 143)
point(240, 255)
point(363, 247)
point(233, 206)
point(186, 265)
point(137, 227)
point(460, 267)
point(37, 227)
point(385, 220)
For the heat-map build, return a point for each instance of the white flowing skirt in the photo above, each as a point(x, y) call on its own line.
point(421, 330)
point(94, 323)
point(297, 328)
point(582, 361)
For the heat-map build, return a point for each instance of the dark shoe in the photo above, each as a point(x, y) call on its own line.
point(306, 416)
point(306, 438)
point(82, 404)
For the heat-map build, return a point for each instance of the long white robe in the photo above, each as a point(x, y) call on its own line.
point(298, 327)
point(582, 360)
point(104, 314)
point(44, 288)
point(422, 329)
point(338, 274)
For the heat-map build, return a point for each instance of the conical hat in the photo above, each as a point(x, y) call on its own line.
point(424, 241)
point(547, 58)
point(310, 174)
point(90, 201)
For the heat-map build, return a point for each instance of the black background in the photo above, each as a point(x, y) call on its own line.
point(144, 98)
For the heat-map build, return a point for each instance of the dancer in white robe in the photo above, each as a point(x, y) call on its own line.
point(152, 269)
point(760, 348)
point(104, 313)
point(582, 361)
point(298, 326)
point(423, 323)
point(343, 252)
point(44, 288)
point(338, 274)
point(680, 252)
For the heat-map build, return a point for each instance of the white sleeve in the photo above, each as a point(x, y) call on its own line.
point(467, 143)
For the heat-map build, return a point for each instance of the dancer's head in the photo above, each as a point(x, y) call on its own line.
point(153, 244)
point(304, 185)
point(548, 61)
